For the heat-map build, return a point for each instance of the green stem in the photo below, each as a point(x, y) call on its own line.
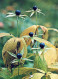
point(17, 26)
point(43, 54)
point(36, 18)
point(23, 23)
point(36, 24)
point(18, 69)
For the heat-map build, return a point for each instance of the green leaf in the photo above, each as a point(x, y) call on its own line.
point(4, 73)
point(27, 59)
point(12, 54)
point(30, 54)
point(22, 51)
point(14, 61)
point(40, 63)
point(32, 13)
point(10, 15)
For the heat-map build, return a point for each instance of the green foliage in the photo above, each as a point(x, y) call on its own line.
point(4, 73)
point(40, 63)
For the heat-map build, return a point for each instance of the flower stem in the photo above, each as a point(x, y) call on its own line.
point(18, 69)
point(43, 54)
point(36, 24)
point(17, 26)
point(36, 18)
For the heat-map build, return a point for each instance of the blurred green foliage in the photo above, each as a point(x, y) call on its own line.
point(48, 7)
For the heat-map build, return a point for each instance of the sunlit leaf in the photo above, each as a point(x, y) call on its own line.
point(43, 28)
point(46, 77)
point(25, 48)
point(27, 77)
point(26, 33)
point(53, 67)
point(44, 41)
point(5, 34)
point(57, 53)
point(41, 76)
point(50, 55)
point(11, 46)
point(56, 44)
point(35, 31)
point(53, 29)
point(45, 32)
point(29, 29)
point(25, 70)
